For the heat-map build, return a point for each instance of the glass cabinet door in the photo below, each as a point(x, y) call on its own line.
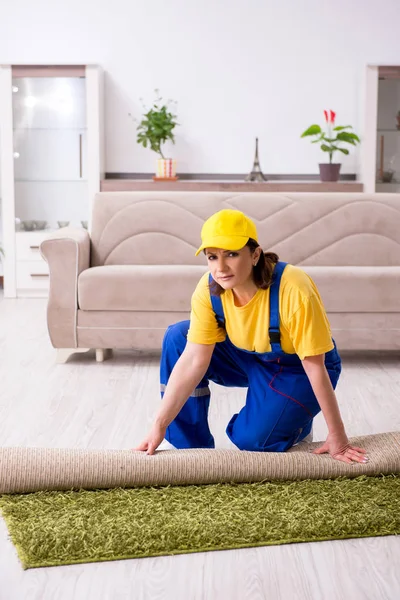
point(388, 136)
point(50, 158)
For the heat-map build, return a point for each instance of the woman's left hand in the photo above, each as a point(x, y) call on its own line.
point(338, 446)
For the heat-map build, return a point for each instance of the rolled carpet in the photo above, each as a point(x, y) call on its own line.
point(25, 470)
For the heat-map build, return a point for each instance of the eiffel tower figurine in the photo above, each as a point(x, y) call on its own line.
point(256, 173)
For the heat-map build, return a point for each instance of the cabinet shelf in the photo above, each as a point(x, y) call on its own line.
point(78, 180)
point(388, 130)
point(49, 128)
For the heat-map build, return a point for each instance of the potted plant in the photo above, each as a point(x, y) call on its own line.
point(330, 143)
point(155, 128)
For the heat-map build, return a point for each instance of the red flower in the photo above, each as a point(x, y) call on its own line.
point(330, 118)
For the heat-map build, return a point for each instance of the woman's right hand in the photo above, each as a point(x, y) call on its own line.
point(153, 439)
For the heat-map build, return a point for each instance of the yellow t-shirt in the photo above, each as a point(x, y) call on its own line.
point(304, 326)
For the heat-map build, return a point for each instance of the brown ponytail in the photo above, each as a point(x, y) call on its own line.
point(262, 272)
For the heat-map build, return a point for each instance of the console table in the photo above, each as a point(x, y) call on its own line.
point(128, 185)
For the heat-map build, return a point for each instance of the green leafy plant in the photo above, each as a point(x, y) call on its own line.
point(330, 142)
point(157, 125)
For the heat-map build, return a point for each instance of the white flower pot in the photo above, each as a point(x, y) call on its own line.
point(166, 168)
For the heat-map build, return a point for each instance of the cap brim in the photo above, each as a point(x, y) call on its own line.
point(224, 243)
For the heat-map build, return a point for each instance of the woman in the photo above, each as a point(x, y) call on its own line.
point(257, 323)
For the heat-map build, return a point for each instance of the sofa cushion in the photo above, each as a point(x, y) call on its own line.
point(138, 287)
point(358, 289)
point(169, 288)
point(324, 229)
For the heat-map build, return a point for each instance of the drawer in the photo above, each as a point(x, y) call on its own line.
point(28, 244)
point(32, 274)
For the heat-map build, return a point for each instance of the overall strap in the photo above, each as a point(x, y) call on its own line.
point(274, 331)
point(217, 305)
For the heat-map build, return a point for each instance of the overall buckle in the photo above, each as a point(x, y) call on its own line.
point(274, 337)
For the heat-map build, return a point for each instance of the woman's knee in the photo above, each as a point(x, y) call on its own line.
point(254, 444)
point(173, 345)
point(176, 334)
point(251, 443)
point(256, 441)
point(334, 371)
point(244, 438)
point(333, 365)
point(247, 442)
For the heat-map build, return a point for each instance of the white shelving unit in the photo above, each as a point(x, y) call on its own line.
point(381, 104)
point(52, 161)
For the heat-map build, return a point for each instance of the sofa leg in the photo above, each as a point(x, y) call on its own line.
point(63, 354)
point(103, 353)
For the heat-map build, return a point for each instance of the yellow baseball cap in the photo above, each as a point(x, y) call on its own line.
point(227, 229)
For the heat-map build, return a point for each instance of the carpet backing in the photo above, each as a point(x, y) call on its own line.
point(38, 469)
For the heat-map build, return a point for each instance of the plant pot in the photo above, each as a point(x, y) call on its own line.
point(387, 176)
point(166, 169)
point(329, 171)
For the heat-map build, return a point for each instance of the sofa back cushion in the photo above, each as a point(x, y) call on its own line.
point(331, 229)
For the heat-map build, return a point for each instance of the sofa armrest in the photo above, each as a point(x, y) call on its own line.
point(67, 253)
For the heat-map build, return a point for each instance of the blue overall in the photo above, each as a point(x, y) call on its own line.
point(280, 403)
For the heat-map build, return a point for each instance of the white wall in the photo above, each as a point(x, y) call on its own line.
point(238, 68)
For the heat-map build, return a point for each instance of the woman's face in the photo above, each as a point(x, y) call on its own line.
point(232, 268)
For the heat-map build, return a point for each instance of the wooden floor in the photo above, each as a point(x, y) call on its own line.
point(84, 404)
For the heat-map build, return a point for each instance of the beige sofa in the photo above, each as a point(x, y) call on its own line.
point(134, 275)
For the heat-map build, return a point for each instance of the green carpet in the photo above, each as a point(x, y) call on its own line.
point(59, 528)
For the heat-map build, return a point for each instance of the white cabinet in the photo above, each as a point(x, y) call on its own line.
point(32, 272)
point(51, 161)
point(380, 148)
point(44, 102)
point(52, 202)
point(50, 155)
point(388, 135)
